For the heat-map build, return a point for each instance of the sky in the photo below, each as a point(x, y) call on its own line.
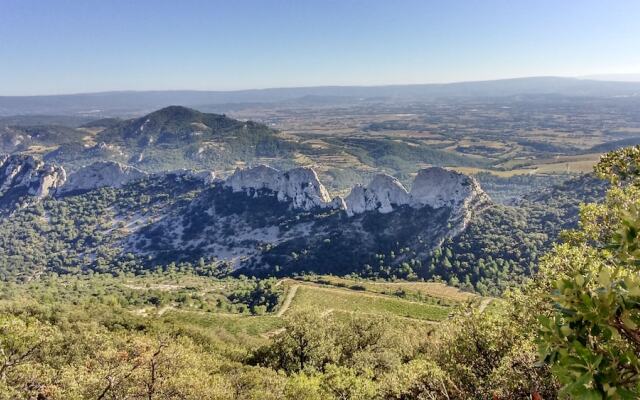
point(65, 46)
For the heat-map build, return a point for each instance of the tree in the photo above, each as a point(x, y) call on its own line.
point(592, 337)
point(489, 354)
point(306, 344)
point(345, 383)
point(417, 379)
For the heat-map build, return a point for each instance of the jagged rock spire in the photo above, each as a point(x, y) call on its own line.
point(300, 185)
point(382, 193)
point(22, 175)
point(434, 187)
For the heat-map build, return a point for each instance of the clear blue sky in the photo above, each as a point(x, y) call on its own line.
point(64, 46)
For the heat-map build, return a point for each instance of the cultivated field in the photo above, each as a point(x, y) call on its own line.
point(420, 305)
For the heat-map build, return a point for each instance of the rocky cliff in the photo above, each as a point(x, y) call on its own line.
point(382, 193)
point(24, 178)
point(438, 187)
point(100, 174)
point(301, 185)
point(433, 187)
point(257, 219)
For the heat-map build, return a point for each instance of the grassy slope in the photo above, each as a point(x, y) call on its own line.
point(242, 329)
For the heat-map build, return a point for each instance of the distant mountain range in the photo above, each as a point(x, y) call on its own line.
point(129, 103)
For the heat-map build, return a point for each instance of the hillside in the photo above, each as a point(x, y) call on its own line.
point(176, 137)
point(264, 222)
point(510, 143)
point(36, 138)
point(278, 224)
point(216, 282)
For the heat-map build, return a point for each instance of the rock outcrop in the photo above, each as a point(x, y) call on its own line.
point(438, 187)
point(23, 177)
point(382, 193)
point(434, 187)
point(301, 185)
point(101, 174)
point(256, 178)
point(304, 188)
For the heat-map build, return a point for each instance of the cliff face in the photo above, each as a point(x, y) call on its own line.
point(438, 187)
point(257, 219)
point(434, 187)
point(382, 193)
point(24, 179)
point(301, 186)
point(101, 174)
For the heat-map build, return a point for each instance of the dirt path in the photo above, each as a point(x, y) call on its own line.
point(287, 301)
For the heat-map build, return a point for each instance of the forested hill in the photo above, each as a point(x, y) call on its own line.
point(175, 124)
point(501, 245)
point(174, 137)
point(154, 221)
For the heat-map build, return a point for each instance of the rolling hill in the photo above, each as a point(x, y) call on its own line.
point(172, 138)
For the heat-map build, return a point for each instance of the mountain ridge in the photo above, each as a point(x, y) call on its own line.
point(193, 221)
point(244, 223)
point(170, 138)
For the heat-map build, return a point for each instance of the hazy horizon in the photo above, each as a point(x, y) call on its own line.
point(619, 78)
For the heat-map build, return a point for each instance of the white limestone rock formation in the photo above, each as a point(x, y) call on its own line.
point(356, 201)
point(382, 193)
point(48, 180)
point(101, 174)
point(301, 185)
point(434, 187)
point(22, 175)
point(258, 177)
point(338, 203)
point(438, 187)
